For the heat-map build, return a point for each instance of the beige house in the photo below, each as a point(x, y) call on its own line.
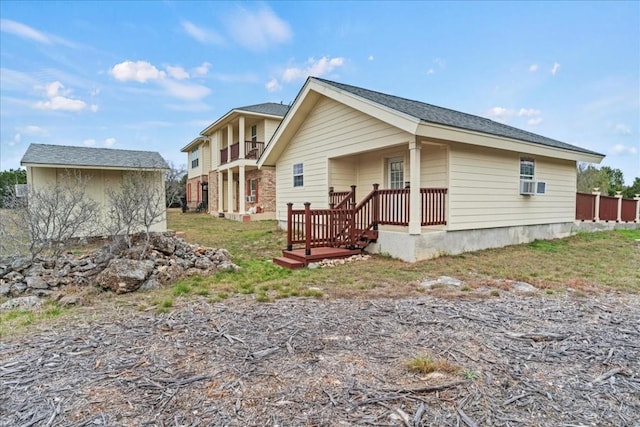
point(223, 177)
point(448, 182)
point(48, 164)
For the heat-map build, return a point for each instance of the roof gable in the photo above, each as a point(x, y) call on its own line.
point(420, 119)
point(457, 119)
point(69, 156)
point(269, 109)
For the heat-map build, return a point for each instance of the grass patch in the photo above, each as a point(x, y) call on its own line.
point(426, 365)
point(14, 320)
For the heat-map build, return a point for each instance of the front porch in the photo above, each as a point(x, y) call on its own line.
point(347, 228)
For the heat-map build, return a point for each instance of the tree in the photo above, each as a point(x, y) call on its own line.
point(175, 188)
point(631, 191)
point(49, 218)
point(607, 179)
point(8, 181)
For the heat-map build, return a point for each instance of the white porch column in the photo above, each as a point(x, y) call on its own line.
point(637, 199)
point(241, 189)
point(220, 191)
point(230, 190)
point(241, 142)
point(229, 141)
point(415, 212)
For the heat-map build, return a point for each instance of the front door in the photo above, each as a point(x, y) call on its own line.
point(396, 173)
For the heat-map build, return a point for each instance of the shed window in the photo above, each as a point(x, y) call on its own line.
point(298, 177)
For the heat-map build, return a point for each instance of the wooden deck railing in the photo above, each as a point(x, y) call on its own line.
point(595, 207)
point(345, 222)
point(252, 150)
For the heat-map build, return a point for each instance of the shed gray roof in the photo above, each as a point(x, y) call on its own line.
point(271, 108)
point(65, 155)
point(444, 116)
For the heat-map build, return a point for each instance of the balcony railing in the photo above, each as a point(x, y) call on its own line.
point(252, 150)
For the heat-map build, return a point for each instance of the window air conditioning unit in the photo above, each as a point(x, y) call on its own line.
point(251, 199)
point(530, 187)
point(527, 187)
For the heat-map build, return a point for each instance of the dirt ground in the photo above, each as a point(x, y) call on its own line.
point(515, 359)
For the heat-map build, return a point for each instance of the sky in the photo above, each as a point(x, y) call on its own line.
point(151, 75)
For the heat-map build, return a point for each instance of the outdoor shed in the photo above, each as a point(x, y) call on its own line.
point(104, 168)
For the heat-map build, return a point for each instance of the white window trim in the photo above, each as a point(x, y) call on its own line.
point(300, 174)
point(390, 161)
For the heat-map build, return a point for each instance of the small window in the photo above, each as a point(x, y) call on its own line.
point(253, 187)
point(298, 178)
point(194, 158)
point(254, 133)
point(396, 173)
point(527, 169)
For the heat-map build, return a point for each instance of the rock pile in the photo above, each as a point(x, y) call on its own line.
point(120, 270)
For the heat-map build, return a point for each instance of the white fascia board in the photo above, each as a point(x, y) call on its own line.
point(446, 133)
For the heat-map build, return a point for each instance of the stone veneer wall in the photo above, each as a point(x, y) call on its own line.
point(213, 192)
point(266, 188)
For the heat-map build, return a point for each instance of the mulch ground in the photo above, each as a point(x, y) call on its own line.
point(538, 360)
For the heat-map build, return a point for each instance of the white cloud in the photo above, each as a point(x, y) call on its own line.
point(177, 73)
point(32, 130)
point(533, 68)
point(109, 142)
point(273, 85)
point(528, 112)
point(318, 68)
point(58, 100)
point(89, 142)
point(139, 71)
point(186, 91)
point(24, 31)
point(370, 58)
point(431, 71)
point(258, 30)
point(502, 114)
point(621, 129)
point(200, 34)
point(440, 62)
point(620, 149)
point(17, 138)
point(203, 69)
point(555, 68)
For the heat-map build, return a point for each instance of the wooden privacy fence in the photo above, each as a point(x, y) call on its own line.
point(595, 207)
point(345, 223)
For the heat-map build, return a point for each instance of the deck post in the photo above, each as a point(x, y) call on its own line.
point(307, 228)
point(352, 224)
point(619, 197)
point(376, 206)
point(637, 199)
point(289, 226)
point(596, 213)
point(353, 194)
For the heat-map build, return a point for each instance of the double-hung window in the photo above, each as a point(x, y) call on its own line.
point(527, 169)
point(298, 176)
point(195, 160)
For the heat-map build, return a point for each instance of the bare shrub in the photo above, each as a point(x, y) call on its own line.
point(137, 205)
point(49, 217)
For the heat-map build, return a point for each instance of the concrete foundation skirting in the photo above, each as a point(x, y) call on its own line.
point(433, 244)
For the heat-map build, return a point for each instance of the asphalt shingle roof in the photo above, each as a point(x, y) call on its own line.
point(271, 108)
point(64, 155)
point(444, 116)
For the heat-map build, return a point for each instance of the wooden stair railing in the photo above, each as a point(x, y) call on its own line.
point(350, 225)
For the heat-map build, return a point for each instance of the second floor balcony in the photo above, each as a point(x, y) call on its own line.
point(252, 150)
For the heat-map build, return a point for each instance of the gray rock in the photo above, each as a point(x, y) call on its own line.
point(523, 287)
point(441, 281)
point(228, 266)
point(18, 288)
point(20, 263)
point(124, 275)
point(30, 302)
point(151, 283)
point(203, 263)
point(165, 245)
point(14, 277)
point(36, 282)
point(4, 290)
point(69, 300)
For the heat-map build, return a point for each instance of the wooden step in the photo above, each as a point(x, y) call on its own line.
point(289, 263)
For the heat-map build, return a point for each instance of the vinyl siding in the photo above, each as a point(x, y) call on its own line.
point(270, 126)
point(433, 166)
point(484, 189)
point(330, 130)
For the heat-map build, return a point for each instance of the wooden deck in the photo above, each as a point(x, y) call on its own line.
point(297, 258)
